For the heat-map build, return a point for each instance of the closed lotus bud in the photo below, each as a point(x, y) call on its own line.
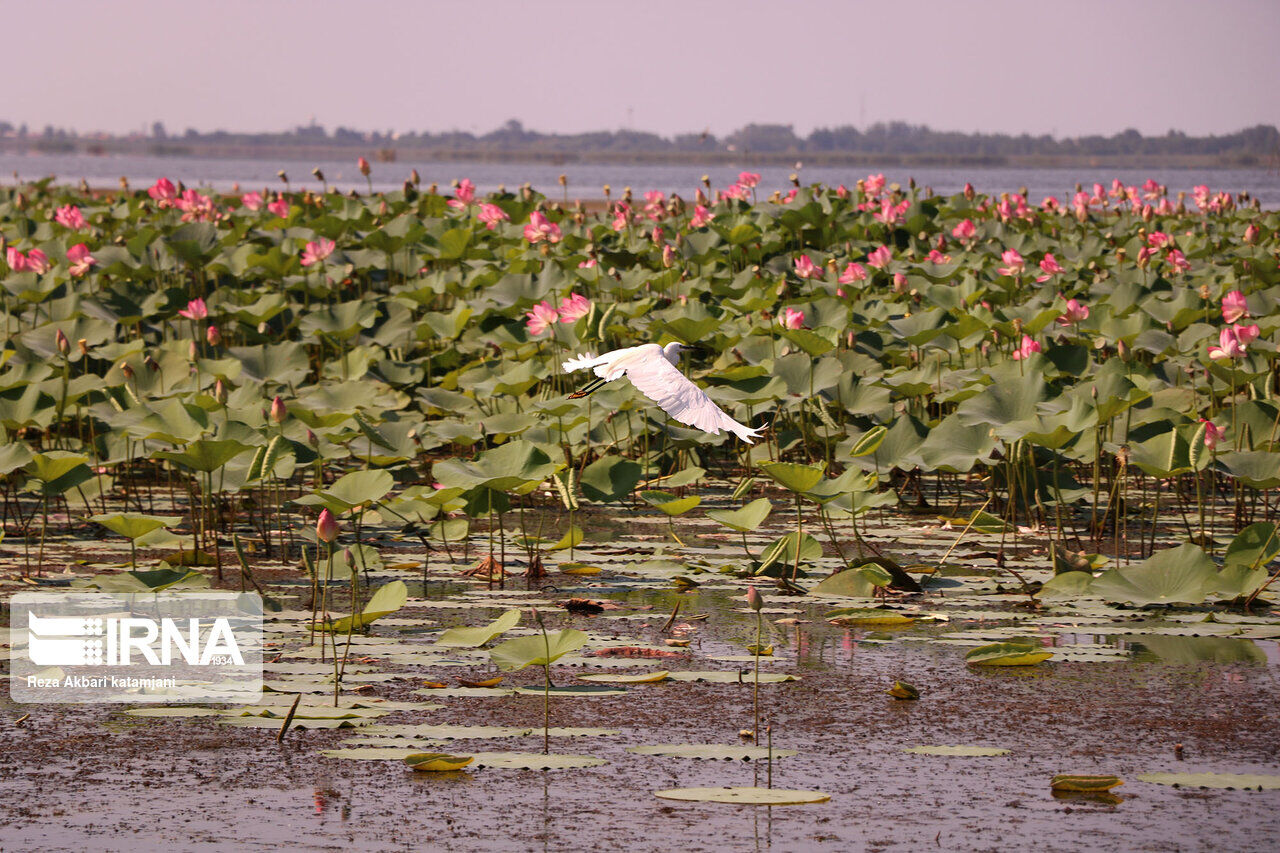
point(84, 347)
point(312, 440)
point(969, 193)
point(326, 526)
point(1148, 213)
point(1251, 234)
point(363, 165)
point(213, 336)
point(668, 254)
point(350, 557)
point(220, 392)
point(415, 177)
point(64, 345)
point(278, 411)
point(754, 600)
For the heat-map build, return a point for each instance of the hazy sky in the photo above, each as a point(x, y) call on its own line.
point(1068, 68)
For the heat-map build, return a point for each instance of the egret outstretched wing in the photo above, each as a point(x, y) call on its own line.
point(663, 383)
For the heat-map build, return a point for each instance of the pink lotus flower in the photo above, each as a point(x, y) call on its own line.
point(750, 180)
point(806, 268)
point(589, 263)
point(70, 217)
point(278, 411)
point(491, 215)
point(251, 201)
point(196, 207)
point(280, 207)
point(936, 257)
point(890, 213)
point(1076, 311)
point(1026, 348)
point(213, 335)
point(655, 205)
point(965, 230)
point(195, 310)
point(317, 250)
point(465, 195)
point(1229, 345)
point(900, 283)
point(1251, 233)
point(701, 216)
point(1152, 190)
point(668, 257)
point(1246, 334)
point(574, 306)
point(1049, 266)
point(1051, 204)
point(853, 272)
point(1156, 239)
point(1212, 433)
point(164, 192)
point(540, 228)
point(1178, 261)
point(880, 258)
point(842, 191)
point(790, 197)
point(1234, 307)
point(80, 259)
point(38, 262)
point(16, 260)
point(363, 165)
point(622, 216)
point(541, 318)
point(656, 235)
point(790, 318)
point(874, 184)
point(1014, 264)
point(326, 526)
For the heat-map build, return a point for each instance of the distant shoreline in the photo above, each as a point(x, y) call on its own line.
point(327, 152)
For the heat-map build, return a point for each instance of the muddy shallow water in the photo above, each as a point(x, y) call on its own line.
point(89, 777)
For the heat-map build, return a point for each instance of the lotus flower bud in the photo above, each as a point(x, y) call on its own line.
point(278, 411)
point(969, 192)
point(326, 526)
point(213, 336)
point(363, 165)
point(415, 177)
point(64, 345)
point(220, 392)
point(350, 557)
point(668, 254)
point(312, 440)
point(1251, 234)
point(1148, 213)
point(754, 600)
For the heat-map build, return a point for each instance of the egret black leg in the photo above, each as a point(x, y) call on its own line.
point(593, 385)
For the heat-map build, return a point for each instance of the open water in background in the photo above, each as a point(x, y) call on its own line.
point(587, 179)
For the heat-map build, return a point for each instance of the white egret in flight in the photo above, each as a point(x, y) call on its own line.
point(652, 369)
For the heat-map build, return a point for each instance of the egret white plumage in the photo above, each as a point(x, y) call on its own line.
point(654, 372)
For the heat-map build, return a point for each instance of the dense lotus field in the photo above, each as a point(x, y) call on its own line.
point(1097, 372)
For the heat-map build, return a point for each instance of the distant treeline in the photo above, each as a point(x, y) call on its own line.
point(1255, 146)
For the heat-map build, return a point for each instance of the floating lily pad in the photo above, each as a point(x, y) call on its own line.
point(967, 751)
point(711, 751)
point(178, 711)
point(1240, 781)
point(719, 677)
point(571, 690)
point(436, 762)
point(446, 732)
point(1007, 654)
point(1084, 784)
point(626, 678)
point(744, 796)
